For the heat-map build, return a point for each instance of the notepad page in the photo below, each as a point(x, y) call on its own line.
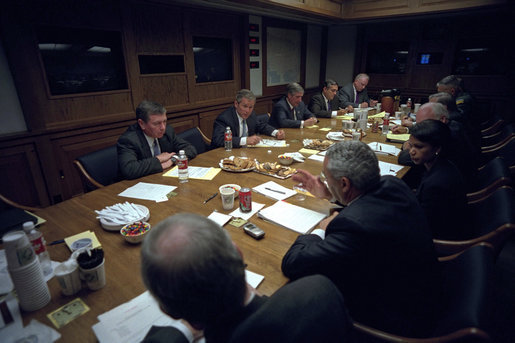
point(292, 217)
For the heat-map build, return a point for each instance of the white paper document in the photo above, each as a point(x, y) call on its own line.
point(219, 218)
point(317, 157)
point(386, 149)
point(270, 143)
point(292, 217)
point(246, 215)
point(389, 168)
point(148, 191)
point(253, 279)
point(131, 321)
point(274, 190)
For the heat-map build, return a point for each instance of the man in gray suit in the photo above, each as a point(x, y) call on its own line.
point(355, 94)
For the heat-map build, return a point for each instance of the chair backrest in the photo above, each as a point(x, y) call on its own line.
point(263, 117)
point(493, 175)
point(98, 168)
point(467, 291)
point(499, 138)
point(196, 138)
point(506, 151)
point(463, 314)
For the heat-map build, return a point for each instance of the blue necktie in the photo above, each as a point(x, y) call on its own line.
point(157, 151)
point(329, 106)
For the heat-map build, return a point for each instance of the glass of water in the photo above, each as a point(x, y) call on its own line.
point(299, 188)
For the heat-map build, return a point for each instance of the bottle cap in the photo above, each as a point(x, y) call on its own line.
point(181, 152)
point(28, 226)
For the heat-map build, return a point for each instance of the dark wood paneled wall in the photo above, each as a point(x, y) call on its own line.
point(64, 127)
point(442, 35)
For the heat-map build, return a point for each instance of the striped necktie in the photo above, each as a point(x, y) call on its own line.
point(294, 114)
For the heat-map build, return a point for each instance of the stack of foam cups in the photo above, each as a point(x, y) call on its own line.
point(26, 272)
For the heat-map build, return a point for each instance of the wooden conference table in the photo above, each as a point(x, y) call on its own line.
point(122, 260)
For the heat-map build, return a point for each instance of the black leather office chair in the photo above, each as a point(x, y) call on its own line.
point(492, 220)
point(491, 176)
point(499, 138)
point(263, 117)
point(98, 169)
point(492, 125)
point(464, 305)
point(506, 151)
point(196, 138)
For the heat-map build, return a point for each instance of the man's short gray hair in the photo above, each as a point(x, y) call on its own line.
point(445, 99)
point(361, 76)
point(146, 108)
point(355, 161)
point(294, 88)
point(245, 93)
point(437, 109)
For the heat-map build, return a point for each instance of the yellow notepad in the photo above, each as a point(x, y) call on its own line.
point(403, 137)
point(379, 115)
point(199, 173)
point(86, 234)
point(308, 151)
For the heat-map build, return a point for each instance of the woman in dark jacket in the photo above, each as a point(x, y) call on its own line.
point(441, 191)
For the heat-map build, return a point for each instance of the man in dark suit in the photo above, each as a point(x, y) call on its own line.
point(244, 123)
point(326, 104)
point(196, 273)
point(147, 147)
point(290, 111)
point(378, 250)
point(355, 94)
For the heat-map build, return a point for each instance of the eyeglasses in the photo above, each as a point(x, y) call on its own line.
point(323, 179)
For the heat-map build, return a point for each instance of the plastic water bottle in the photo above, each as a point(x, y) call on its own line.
point(386, 124)
point(182, 166)
point(39, 245)
point(228, 139)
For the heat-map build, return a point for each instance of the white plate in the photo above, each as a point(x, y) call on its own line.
point(336, 136)
point(107, 225)
point(234, 170)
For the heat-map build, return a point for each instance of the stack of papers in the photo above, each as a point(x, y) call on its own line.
point(292, 217)
point(148, 191)
point(274, 190)
point(389, 168)
point(199, 173)
point(131, 321)
point(384, 149)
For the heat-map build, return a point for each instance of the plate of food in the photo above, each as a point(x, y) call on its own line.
point(317, 144)
point(342, 135)
point(237, 164)
point(274, 169)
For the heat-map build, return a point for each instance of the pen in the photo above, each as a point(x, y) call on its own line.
point(274, 190)
point(59, 241)
point(211, 197)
